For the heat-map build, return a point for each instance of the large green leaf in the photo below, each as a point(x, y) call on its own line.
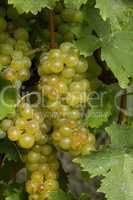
point(121, 135)
point(117, 51)
point(74, 3)
point(116, 166)
point(60, 196)
point(33, 6)
point(87, 44)
point(118, 11)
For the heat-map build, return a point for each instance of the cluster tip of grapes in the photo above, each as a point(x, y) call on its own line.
point(14, 61)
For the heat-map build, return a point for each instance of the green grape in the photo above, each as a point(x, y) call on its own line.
point(75, 114)
point(32, 166)
point(68, 73)
point(21, 34)
point(73, 98)
point(61, 87)
point(24, 74)
point(3, 24)
point(5, 60)
point(65, 131)
point(26, 141)
point(17, 55)
point(34, 197)
point(71, 15)
point(71, 60)
point(46, 150)
point(52, 185)
point(26, 111)
point(6, 49)
point(41, 139)
point(13, 133)
point(9, 74)
point(11, 41)
point(20, 123)
point(32, 127)
point(56, 66)
point(31, 187)
point(23, 46)
point(65, 47)
point(82, 66)
point(21, 63)
point(44, 168)
point(37, 176)
point(69, 36)
point(65, 143)
point(12, 13)
point(52, 80)
point(54, 54)
point(6, 123)
point(33, 157)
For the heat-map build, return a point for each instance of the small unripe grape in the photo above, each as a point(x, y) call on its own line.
point(32, 127)
point(32, 166)
point(33, 157)
point(68, 73)
point(56, 66)
point(6, 49)
point(54, 164)
point(65, 143)
point(75, 114)
point(5, 60)
point(52, 185)
point(21, 34)
point(13, 133)
point(26, 111)
point(11, 41)
point(65, 131)
point(41, 139)
point(54, 54)
point(56, 135)
point(31, 187)
point(37, 176)
point(6, 123)
point(44, 168)
point(34, 197)
point(61, 87)
point(82, 66)
point(20, 123)
point(26, 141)
point(46, 150)
point(65, 47)
point(17, 55)
point(71, 60)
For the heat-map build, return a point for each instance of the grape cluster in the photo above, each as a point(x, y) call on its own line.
point(42, 164)
point(63, 82)
point(14, 60)
point(27, 127)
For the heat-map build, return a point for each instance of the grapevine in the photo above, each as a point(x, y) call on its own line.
point(66, 81)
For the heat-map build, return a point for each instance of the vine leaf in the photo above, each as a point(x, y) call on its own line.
point(32, 5)
point(101, 107)
point(121, 135)
point(14, 192)
point(60, 196)
point(118, 11)
point(75, 3)
point(117, 51)
point(87, 45)
point(116, 166)
point(8, 149)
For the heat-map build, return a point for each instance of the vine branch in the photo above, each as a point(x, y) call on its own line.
point(122, 116)
point(53, 44)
